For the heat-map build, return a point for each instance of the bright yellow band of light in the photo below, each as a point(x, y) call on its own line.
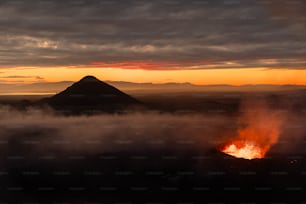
point(201, 77)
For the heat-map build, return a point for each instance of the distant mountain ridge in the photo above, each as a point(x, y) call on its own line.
point(131, 87)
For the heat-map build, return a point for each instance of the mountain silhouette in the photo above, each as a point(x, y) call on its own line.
point(90, 94)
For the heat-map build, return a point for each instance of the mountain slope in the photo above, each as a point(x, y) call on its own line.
point(90, 93)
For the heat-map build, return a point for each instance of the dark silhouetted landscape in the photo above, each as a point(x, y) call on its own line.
point(106, 150)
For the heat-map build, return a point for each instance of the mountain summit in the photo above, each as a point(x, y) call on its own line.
point(91, 94)
point(90, 78)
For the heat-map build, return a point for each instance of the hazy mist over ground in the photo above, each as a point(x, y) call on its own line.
point(81, 158)
point(110, 133)
point(45, 132)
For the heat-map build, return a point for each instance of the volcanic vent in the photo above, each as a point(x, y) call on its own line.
point(90, 94)
point(259, 129)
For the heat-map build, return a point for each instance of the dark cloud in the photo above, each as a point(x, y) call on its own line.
point(39, 78)
point(169, 35)
point(15, 77)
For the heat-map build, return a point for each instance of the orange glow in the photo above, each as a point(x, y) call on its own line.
point(138, 65)
point(198, 76)
point(153, 66)
point(245, 150)
point(260, 129)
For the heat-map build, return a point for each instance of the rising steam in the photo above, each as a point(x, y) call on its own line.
point(259, 129)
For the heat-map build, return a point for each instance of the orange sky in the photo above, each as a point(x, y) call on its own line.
point(203, 76)
point(245, 43)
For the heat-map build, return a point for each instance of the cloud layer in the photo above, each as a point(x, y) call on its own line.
point(153, 35)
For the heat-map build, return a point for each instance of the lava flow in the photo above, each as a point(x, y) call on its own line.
point(258, 131)
point(246, 150)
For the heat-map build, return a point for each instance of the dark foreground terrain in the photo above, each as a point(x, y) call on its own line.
point(155, 178)
point(150, 157)
point(149, 177)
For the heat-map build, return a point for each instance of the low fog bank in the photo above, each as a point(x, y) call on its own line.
point(37, 133)
point(43, 131)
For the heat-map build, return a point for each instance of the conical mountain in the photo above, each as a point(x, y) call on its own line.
point(91, 93)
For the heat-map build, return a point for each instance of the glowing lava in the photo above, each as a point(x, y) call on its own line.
point(245, 150)
point(258, 130)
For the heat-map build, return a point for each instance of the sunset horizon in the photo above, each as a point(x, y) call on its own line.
point(155, 102)
point(235, 77)
point(203, 43)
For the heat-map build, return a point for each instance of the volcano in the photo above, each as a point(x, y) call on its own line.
point(91, 94)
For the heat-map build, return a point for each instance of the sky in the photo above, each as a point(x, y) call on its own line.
point(201, 42)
